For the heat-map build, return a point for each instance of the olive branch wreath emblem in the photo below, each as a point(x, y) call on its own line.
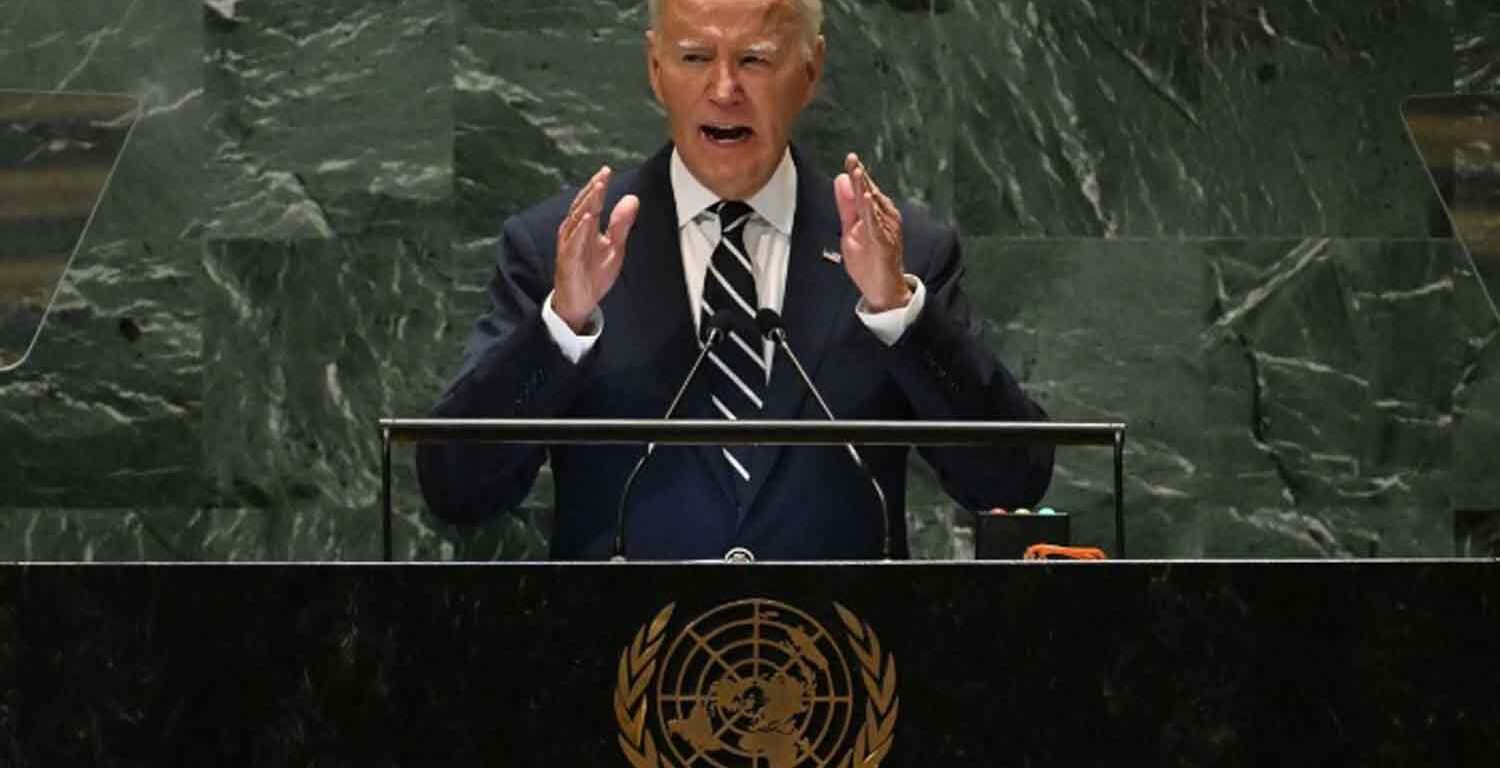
point(638, 663)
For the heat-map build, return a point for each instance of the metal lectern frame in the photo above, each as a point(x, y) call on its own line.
point(718, 432)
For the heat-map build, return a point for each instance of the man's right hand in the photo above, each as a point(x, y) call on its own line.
point(588, 262)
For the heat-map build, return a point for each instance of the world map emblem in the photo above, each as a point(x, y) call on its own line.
point(756, 683)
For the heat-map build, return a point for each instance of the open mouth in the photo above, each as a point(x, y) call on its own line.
point(726, 134)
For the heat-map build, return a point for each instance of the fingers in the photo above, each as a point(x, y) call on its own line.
point(864, 190)
point(855, 194)
point(621, 219)
point(843, 197)
point(586, 204)
point(876, 210)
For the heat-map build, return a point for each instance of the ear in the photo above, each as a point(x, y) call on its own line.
point(653, 65)
point(814, 70)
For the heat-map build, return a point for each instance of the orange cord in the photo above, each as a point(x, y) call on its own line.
point(1055, 552)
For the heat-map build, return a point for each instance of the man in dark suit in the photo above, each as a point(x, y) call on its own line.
point(727, 219)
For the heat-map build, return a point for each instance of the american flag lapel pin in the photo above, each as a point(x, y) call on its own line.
point(833, 256)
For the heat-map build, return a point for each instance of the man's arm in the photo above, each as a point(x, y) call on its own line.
point(948, 374)
point(511, 369)
point(514, 365)
point(944, 371)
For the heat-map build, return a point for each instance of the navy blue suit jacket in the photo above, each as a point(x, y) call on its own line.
point(805, 502)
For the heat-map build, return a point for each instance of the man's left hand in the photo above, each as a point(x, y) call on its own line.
point(871, 243)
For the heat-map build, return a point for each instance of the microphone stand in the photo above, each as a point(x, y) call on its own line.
point(772, 327)
point(717, 328)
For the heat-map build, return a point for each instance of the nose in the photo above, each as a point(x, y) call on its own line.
point(724, 87)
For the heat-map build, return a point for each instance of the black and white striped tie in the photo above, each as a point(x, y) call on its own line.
point(738, 373)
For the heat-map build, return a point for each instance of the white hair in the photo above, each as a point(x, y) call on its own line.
point(810, 11)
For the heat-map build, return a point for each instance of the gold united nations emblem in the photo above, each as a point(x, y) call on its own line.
point(755, 684)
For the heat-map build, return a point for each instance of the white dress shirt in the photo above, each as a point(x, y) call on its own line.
point(768, 238)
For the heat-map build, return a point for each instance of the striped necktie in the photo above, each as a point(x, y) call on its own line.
point(738, 373)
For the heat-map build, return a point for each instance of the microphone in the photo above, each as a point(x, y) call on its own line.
point(771, 326)
point(718, 327)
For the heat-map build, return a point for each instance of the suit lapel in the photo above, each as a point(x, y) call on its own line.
point(819, 299)
point(654, 289)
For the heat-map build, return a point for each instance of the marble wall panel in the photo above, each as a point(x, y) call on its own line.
point(1207, 118)
point(108, 409)
point(151, 49)
point(132, 535)
point(1476, 466)
point(887, 96)
point(547, 93)
point(1301, 392)
point(1476, 42)
point(1081, 323)
point(329, 119)
point(1357, 351)
point(937, 528)
point(307, 344)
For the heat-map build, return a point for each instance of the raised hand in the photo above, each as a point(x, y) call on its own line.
point(871, 244)
point(588, 262)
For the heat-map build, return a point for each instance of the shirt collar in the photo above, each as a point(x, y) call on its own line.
point(776, 202)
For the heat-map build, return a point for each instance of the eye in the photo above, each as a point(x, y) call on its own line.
point(694, 58)
point(754, 58)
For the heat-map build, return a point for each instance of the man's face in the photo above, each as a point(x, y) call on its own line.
point(733, 75)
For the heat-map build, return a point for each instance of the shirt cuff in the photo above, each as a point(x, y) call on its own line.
point(888, 326)
point(574, 346)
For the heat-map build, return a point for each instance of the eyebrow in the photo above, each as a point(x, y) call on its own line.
point(764, 48)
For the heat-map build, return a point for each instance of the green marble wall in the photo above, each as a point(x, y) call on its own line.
point(1202, 217)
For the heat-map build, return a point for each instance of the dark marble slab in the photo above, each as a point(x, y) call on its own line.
point(1301, 394)
point(307, 344)
point(329, 119)
point(1137, 664)
point(108, 410)
point(1208, 118)
point(889, 95)
point(1476, 42)
point(1476, 467)
point(133, 535)
point(544, 93)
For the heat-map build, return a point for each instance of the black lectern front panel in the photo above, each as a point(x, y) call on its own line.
point(789, 665)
